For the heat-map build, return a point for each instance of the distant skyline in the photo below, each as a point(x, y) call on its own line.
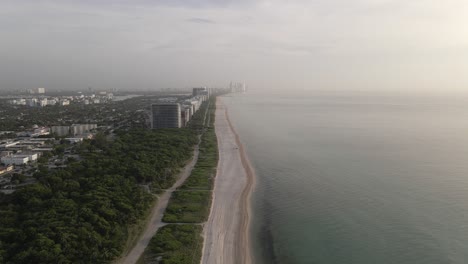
point(370, 45)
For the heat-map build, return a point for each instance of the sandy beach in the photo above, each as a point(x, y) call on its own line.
point(226, 232)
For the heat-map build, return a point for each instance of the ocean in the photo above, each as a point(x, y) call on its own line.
point(356, 178)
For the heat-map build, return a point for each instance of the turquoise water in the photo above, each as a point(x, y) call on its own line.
point(357, 178)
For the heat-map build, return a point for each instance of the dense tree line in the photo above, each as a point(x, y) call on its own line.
point(81, 214)
point(182, 244)
point(177, 244)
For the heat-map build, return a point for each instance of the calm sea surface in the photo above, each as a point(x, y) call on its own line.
point(357, 178)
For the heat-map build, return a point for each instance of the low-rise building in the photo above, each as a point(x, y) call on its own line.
point(6, 169)
point(31, 156)
point(87, 136)
point(185, 116)
point(64, 102)
point(20, 101)
point(42, 102)
point(42, 150)
point(79, 129)
point(5, 153)
point(8, 144)
point(60, 130)
point(31, 102)
point(37, 91)
point(40, 131)
point(15, 160)
point(74, 140)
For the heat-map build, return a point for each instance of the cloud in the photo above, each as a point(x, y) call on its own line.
point(203, 3)
point(162, 43)
point(200, 20)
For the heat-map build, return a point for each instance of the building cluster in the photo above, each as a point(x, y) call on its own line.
point(23, 151)
point(19, 156)
point(73, 130)
point(175, 113)
point(237, 87)
point(98, 98)
point(19, 159)
point(35, 131)
point(28, 145)
point(40, 102)
point(37, 91)
point(201, 91)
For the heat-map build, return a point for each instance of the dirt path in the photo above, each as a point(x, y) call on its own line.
point(158, 210)
point(157, 214)
point(226, 232)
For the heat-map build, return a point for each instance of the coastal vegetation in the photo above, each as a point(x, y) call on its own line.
point(189, 206)
point(202, 176)
point(83, 213)
point(176, 244)
point(199, 120)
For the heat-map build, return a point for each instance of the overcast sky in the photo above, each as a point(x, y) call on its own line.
point(402, 45)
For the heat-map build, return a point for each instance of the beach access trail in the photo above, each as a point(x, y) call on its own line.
point(226, 232)
point(157, 214)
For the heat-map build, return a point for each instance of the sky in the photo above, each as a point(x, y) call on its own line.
point(394, 45)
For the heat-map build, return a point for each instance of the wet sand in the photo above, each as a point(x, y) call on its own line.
point(226, 232)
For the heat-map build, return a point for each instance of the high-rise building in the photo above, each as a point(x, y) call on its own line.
point(200, 91)
point(185, 116)
point(237, 87)
point(165, 115)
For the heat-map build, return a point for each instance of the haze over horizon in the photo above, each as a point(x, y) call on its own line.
point(384, 45)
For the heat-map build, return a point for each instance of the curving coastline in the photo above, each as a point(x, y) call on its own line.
point(244, 202)
point(226, 233)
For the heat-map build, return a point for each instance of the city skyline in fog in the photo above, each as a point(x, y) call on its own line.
point(370, 45)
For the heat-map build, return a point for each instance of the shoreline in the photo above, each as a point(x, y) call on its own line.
point(227, 231)
point(245, 201)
